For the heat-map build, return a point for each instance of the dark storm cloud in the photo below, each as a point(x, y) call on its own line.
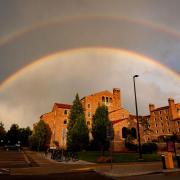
point(18, 14)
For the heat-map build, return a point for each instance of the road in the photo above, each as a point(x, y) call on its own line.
point(90, 176)
point(11, 159)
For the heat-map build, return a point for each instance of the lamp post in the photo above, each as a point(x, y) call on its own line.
point(139, 139)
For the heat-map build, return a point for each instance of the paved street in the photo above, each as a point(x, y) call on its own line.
point(92, 175)
point(12, 159)
point(62, 176)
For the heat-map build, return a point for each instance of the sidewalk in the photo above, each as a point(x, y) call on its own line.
point(134, 169)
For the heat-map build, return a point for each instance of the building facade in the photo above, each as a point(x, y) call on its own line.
point(164, 121)
point(161, 121)
point(57, 119)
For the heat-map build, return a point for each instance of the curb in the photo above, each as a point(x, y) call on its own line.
point(109, 174)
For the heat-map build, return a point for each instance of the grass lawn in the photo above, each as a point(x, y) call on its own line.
point(91, 156)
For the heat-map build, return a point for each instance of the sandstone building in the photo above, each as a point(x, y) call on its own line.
point(164, 120)
point(57, 119)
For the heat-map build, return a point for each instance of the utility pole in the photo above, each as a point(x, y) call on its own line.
point(139, 139)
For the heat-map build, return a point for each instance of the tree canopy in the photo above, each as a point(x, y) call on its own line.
point(99, 128)
point(78, 134)
point(40, 137)
point(2, 132)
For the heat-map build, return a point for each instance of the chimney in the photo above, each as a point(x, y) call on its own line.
point(116, 98)
point(151, 107)
point(171, 102)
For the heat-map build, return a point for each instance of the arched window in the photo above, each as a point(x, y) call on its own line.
point(133, 133)
point(103, 99)
point(124, 132)
point(65, 121)
point(110, 100)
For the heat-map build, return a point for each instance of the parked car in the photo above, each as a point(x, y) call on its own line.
point(8, 147)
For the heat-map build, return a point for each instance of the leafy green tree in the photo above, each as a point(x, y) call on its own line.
point(24, 134)
point(41, 136)
point(2, 132)
point(99, 128)
point(12, 135)
point(77, 135)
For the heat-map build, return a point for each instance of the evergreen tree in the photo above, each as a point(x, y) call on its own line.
point(77, 135)
point(99, 128)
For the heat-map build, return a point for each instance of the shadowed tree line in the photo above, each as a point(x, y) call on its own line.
point(15, 135)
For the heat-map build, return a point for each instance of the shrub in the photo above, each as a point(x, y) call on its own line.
point(149, 148)
point(131, 146)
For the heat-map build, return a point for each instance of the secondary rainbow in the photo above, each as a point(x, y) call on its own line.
point(68, 19)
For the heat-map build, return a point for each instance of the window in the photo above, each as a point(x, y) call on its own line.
point(157, 131)
point(156, 125)
point(110, 100)
point(65, 121)
point(65, 111)
point(161, 118)
point(124, 132)
point(169, 130)
point(162, 124)
point(107, 99)
point(89, 105)
point(133, 132)
point(88, 123)
point(103, 99)
point(160, 112)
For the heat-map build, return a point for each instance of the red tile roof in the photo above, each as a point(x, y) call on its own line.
point(63, 106)
point(160, 108)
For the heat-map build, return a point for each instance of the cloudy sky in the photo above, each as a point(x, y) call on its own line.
point(51, 49)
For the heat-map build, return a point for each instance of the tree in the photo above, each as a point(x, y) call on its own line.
point(99, 125)
point(12, 135)
point(77, 134)
point(41, 136)
point(24, 134)
point(145, 124)
point(2, 132)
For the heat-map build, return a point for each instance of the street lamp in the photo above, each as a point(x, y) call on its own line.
point(139, 140)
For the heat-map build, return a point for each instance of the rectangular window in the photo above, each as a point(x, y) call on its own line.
point(89, 105)
point(107, 99)
point(65, 111)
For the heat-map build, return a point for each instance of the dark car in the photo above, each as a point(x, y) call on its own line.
point(8, 147)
